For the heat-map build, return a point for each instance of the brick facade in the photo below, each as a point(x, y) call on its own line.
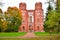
point(32, 20)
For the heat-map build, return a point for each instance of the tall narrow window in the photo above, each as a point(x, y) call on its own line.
point(23, 28)
point(30, 27)
point(38, 27)
point(30, 18)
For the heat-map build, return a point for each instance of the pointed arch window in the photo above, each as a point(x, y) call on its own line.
point(38, 27)
point(23, 27)
point(30, 18)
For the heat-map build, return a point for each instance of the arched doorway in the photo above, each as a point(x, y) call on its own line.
point(23, 28)
point(30, 28)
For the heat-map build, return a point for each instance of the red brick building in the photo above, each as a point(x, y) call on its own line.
point(32, 20)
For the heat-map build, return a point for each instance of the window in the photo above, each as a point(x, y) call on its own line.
point(30, 27)
point(23, 28)
point(30, 18)
point(38, 27)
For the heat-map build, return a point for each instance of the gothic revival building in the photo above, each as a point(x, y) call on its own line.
point(32, 20)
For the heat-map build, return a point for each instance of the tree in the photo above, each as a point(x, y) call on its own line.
point(58, 5)
point(53, 22)
point(0, 20)
point(3, 23)
point(13, 18)
point(49, 24)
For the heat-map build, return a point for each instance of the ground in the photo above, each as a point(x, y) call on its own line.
point(11, 34)
point(31, 36)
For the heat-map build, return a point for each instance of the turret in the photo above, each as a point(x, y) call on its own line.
point(22, 6)
point(38, 6)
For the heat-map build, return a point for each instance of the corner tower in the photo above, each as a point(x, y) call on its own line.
point(39, 17)
point(23, 27)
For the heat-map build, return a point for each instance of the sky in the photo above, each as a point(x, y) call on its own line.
point(30, 4)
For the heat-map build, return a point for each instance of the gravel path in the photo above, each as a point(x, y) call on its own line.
point(29, 35)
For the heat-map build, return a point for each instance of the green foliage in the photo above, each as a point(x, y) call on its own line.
point(10, 20)
point(58, 5)
point(49, 8)
point(13, 19)
point(58, 2)
point(2, 28)
point(52, 24)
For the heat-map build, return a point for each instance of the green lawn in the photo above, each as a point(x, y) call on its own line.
point(42, 36)
point(12, 34)
point(37, 38)
point(44, 33)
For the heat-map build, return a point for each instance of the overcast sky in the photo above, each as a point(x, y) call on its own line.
point(30, 4)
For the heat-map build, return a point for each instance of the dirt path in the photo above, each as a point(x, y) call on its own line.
point(29, 35)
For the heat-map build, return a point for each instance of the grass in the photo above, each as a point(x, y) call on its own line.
point(44, 33)
point(12, 34)
point(41, 33)
point(42, 36)
point(37, 38)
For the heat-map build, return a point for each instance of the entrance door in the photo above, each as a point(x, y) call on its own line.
point(30, 28)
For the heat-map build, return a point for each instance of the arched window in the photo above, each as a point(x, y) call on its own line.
point(38, 27)
point(30, 27)
point(23, 28)
point(30, 18)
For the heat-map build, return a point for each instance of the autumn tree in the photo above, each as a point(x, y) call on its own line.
point(2, 22)
point(13, 18)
